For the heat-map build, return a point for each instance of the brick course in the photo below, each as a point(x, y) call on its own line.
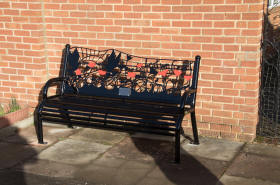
point(226, 33)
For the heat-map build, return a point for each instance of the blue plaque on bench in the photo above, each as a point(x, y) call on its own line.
point(123, 91)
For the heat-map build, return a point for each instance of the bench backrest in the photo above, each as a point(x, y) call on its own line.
point(113, 73)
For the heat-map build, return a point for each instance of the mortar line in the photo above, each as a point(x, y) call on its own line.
point(45, 40)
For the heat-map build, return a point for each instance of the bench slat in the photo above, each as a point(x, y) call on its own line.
point(118, 116)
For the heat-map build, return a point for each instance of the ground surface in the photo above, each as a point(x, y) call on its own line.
point(89, 156)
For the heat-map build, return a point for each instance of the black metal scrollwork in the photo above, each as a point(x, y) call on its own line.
point(114, 69)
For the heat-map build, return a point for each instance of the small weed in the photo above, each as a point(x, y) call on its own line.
point(267, 140)
point(13, 105)
point(2, 112)
point(259, 139)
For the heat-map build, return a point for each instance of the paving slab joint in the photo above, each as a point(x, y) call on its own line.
point(233, 159)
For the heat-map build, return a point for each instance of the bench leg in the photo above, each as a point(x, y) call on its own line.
point(70, 125)
point(65, 115)
point(39, 129)
point(194, 128)
point(177, 146)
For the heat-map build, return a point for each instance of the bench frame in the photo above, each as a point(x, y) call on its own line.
point(188, 98)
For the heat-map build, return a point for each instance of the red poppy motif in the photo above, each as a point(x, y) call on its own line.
point(78, 72)
point(101, 72)
point(131, 74)
point(139, 65)
point(163, 73)
point(188, 77)
point(177, 72)
point(91, 64)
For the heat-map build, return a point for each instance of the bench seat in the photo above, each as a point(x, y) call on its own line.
point(96, 110)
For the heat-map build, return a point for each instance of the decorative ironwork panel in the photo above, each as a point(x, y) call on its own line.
point(112, 69)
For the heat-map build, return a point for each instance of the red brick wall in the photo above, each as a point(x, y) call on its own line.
point(226, 33)
point(22, 59)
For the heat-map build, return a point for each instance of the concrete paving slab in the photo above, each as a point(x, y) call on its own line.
point(57, 125)
point(255, 166)
point(72, 151)
point(231, 180)
point(47, 168)
point(7, 131)
point(24, 123)
point(263, 149)
point(212, 148)
point(154, 137)
point(130, 172)
point(25, 136)
point(97, 175)
point(12, 154)
point(137, 160)
point(14, 128)
point(190, 171)
point(142, 149)
point(10, 177)
point(106, 137)
point(28, 135)
point(108, 162)
point(138, 165)
point(154, 181)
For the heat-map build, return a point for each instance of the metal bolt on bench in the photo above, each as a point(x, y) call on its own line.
point(113, 89)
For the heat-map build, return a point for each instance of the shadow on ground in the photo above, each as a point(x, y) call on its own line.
point(99, 156)
point(14, 151)
point(19, 163)
point(191, 170)
point(143, 161)
point(151, 161)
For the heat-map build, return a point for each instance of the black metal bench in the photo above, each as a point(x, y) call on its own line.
point(117, 90)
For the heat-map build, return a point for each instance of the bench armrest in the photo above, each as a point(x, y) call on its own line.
point(49, 83)
point(188, 98)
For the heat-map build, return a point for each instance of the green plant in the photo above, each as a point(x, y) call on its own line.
point(13, 105)
point(259, 139)
point(2, 111)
